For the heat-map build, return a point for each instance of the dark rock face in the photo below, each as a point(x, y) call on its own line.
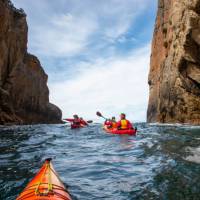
point(174, 77)
point(24, 95)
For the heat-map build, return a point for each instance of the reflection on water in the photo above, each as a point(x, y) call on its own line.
point(126, 143)
point(162, 162)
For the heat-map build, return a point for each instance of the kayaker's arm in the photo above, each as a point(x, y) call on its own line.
point(69, 120)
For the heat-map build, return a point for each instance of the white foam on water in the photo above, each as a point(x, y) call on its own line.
point(176, 125)
point(195, 155)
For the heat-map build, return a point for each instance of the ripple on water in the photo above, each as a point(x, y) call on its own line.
point(162, 162)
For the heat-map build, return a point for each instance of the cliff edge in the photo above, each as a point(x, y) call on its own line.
point(174, 77)
point(24, 95)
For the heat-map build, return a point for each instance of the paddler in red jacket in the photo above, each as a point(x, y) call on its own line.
point(111, 123)
point(77, 122)
point(124, 124)
point(108, 123)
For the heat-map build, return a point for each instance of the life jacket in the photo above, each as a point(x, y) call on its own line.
point(77, 122)
point(114, 124)
point(124, 124)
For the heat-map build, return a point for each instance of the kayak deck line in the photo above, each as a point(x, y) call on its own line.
point(46, 185)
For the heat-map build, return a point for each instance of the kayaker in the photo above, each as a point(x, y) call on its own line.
point(124, 124)
point(108, 123)
point(76, 121)
point(111, 123)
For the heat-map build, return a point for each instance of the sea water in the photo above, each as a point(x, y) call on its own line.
point(161, 162)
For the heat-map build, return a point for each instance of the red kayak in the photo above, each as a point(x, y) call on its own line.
point(120, 132)
point(74, 126)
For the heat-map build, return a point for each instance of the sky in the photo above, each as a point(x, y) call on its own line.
point(95, 52)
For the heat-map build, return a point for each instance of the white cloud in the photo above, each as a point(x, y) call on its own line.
point(68, 28)
point(64, 38)
point(114, 85)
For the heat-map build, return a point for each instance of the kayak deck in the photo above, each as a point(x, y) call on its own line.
point(46, 185)
point(120, 132)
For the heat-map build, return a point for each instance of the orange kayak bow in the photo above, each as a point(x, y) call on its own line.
point(46, 185)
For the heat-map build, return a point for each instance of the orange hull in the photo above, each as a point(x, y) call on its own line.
point(46, 185)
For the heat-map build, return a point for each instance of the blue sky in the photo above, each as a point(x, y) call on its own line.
point(96, 53)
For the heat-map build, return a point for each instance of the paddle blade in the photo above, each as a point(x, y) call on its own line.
point(98, 114)
point(89, 121)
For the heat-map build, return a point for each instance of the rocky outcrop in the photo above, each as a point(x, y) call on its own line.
point(24, 95)
point(174, 77)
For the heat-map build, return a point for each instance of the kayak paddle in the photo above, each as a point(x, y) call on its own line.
point(100, 115)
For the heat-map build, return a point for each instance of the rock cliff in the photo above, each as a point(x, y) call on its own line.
point(24, 95)
point(174, 77)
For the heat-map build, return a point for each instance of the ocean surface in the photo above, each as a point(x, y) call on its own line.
point(161, 162)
